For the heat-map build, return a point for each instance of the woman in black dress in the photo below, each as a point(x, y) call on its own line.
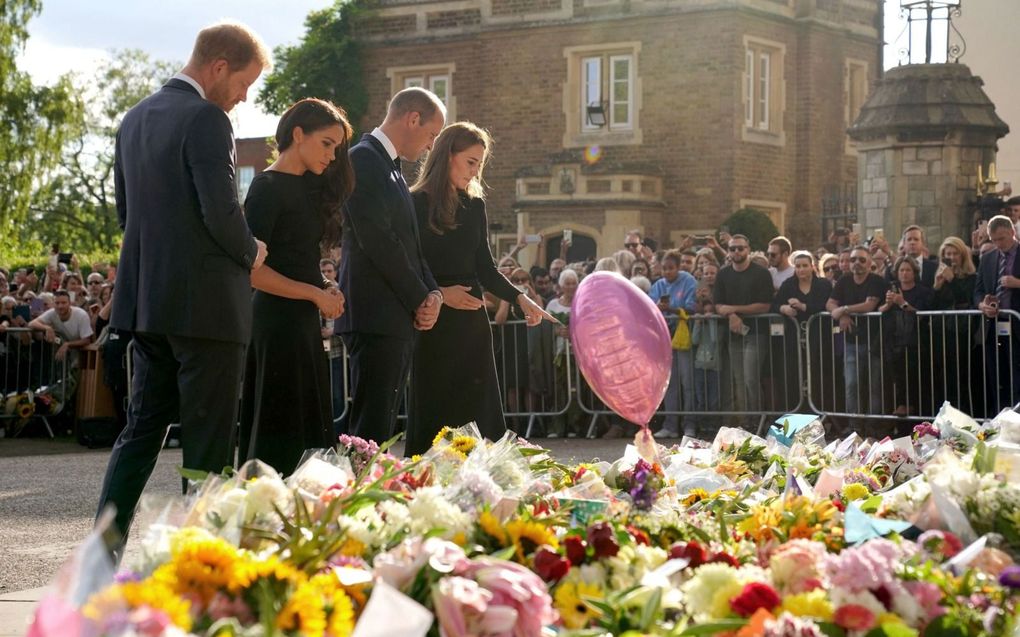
point(453, 377)
point(294, 206)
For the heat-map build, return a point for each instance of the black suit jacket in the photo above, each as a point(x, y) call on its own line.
point(929, 267)
point(987, 279)
point(187, 252)
point(383, 275)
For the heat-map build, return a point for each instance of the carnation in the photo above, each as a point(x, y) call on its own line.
point(786, 625)
point(795, 565)
point(429, 511)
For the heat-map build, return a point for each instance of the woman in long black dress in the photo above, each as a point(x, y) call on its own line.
point(294, 206)
point(453, 378)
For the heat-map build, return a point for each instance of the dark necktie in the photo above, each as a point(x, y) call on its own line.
point(1000, 289)
point(396, 163)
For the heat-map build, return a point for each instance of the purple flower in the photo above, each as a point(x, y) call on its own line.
point(1010, 577)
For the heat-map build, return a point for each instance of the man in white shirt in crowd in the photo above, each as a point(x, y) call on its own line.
point(780, 267)
point(68, 323)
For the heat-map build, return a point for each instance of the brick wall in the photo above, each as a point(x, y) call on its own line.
point(510, 80)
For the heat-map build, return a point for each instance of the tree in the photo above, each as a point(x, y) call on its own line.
point(753, 224)
point(325, 64)
point(76, 206)
point(36, 121)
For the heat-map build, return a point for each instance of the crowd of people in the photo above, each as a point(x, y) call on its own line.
point(895, 361)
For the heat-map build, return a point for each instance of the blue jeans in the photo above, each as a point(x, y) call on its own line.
point(680, 392)
point(745, 356)
point(859, 353)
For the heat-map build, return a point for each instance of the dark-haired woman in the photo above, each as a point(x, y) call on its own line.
point(294, 206)
point(453, 378)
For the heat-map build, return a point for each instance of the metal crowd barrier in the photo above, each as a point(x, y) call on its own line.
point(781, 366)
point(904, 365)
point(28, 368)
point(749, 376)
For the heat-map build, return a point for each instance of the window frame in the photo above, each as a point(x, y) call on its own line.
point(426, 76)
point(582, 61)
point(763, 88)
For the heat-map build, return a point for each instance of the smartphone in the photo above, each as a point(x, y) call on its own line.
point(568, 235)
point(724, 229)
point(532, 238)
point(879, 233)
point(36, 306)
point(23, 311)
point(73, 296)
point(982, 223)
point(664, 298)
point(700, 241)
point(64, 257)
point(856, 229)
point(947, 262)
point(894, 288)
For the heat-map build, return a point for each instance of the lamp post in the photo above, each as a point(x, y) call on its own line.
point(927, 15)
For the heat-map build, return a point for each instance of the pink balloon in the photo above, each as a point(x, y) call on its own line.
point(621, 344)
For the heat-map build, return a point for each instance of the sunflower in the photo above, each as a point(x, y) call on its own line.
point(491, 526)
point(463, 444)
point(200, 565)
point(148, 593)
point(694, 496)
point(338, 606)
point(528, 535)
point(441, 436)
point(304, 612)
point(569, 600)
point(271, 568)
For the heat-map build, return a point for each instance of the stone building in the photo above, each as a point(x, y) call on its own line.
point(253, 155)
point(662, 115)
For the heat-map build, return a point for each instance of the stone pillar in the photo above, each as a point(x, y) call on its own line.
point(920, 137)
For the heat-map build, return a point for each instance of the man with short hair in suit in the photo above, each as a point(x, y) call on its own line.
point(915, 246)
point(183, 285)
point(998, 289)
point(389, 288)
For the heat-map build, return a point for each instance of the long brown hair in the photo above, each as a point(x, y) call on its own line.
point(336, 183)
point(434, 179)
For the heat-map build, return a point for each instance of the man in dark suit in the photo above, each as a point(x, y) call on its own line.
point(183, 283)
point(914, 246)
point(998, 289)
point(389, 289)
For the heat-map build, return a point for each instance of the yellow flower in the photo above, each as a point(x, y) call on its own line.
point(491, 525)
point(855, 491)
point(814, 604)
point(528, 535)
point(694, 496)
point(199, 565)
point(441, 436)
point(271, 568)
point(463, 444)
point(304, 612)
point(569, 600)
point(889, 618)
point(338, 605)
point(147, 593)
point(352, 547)
point(760, 521)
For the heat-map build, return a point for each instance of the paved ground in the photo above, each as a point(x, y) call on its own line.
point(48, 495)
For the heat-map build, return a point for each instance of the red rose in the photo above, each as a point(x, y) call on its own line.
point(724, 558)
point(640, 537)
point(602, 539)
point(854, 617)
point(550, 565)
point(576, 549)
point(692, 551)
point(755, 595)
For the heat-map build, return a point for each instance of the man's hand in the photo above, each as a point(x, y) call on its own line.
point(61, 353)
point(989, 306)
point(1011, 281)
point(725, 310)
point(846, 323)
point(260, 258)
point(736, 325)
point(427, 314)
point(838, 313)
point(49, 335)
point(330, 303)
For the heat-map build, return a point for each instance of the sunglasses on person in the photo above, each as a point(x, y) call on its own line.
point(631, 245)
point(738, 248)
point(831, 268)
point(520, 280)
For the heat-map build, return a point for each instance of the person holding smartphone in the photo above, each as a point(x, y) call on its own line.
point(998, 289)
point(676, 291)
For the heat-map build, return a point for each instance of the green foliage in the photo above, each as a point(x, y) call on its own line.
point(755, 225)
point(325, 64)
point(76, 206)
point(36, 122)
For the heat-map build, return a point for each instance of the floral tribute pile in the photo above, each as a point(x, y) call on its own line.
point(741, 536)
